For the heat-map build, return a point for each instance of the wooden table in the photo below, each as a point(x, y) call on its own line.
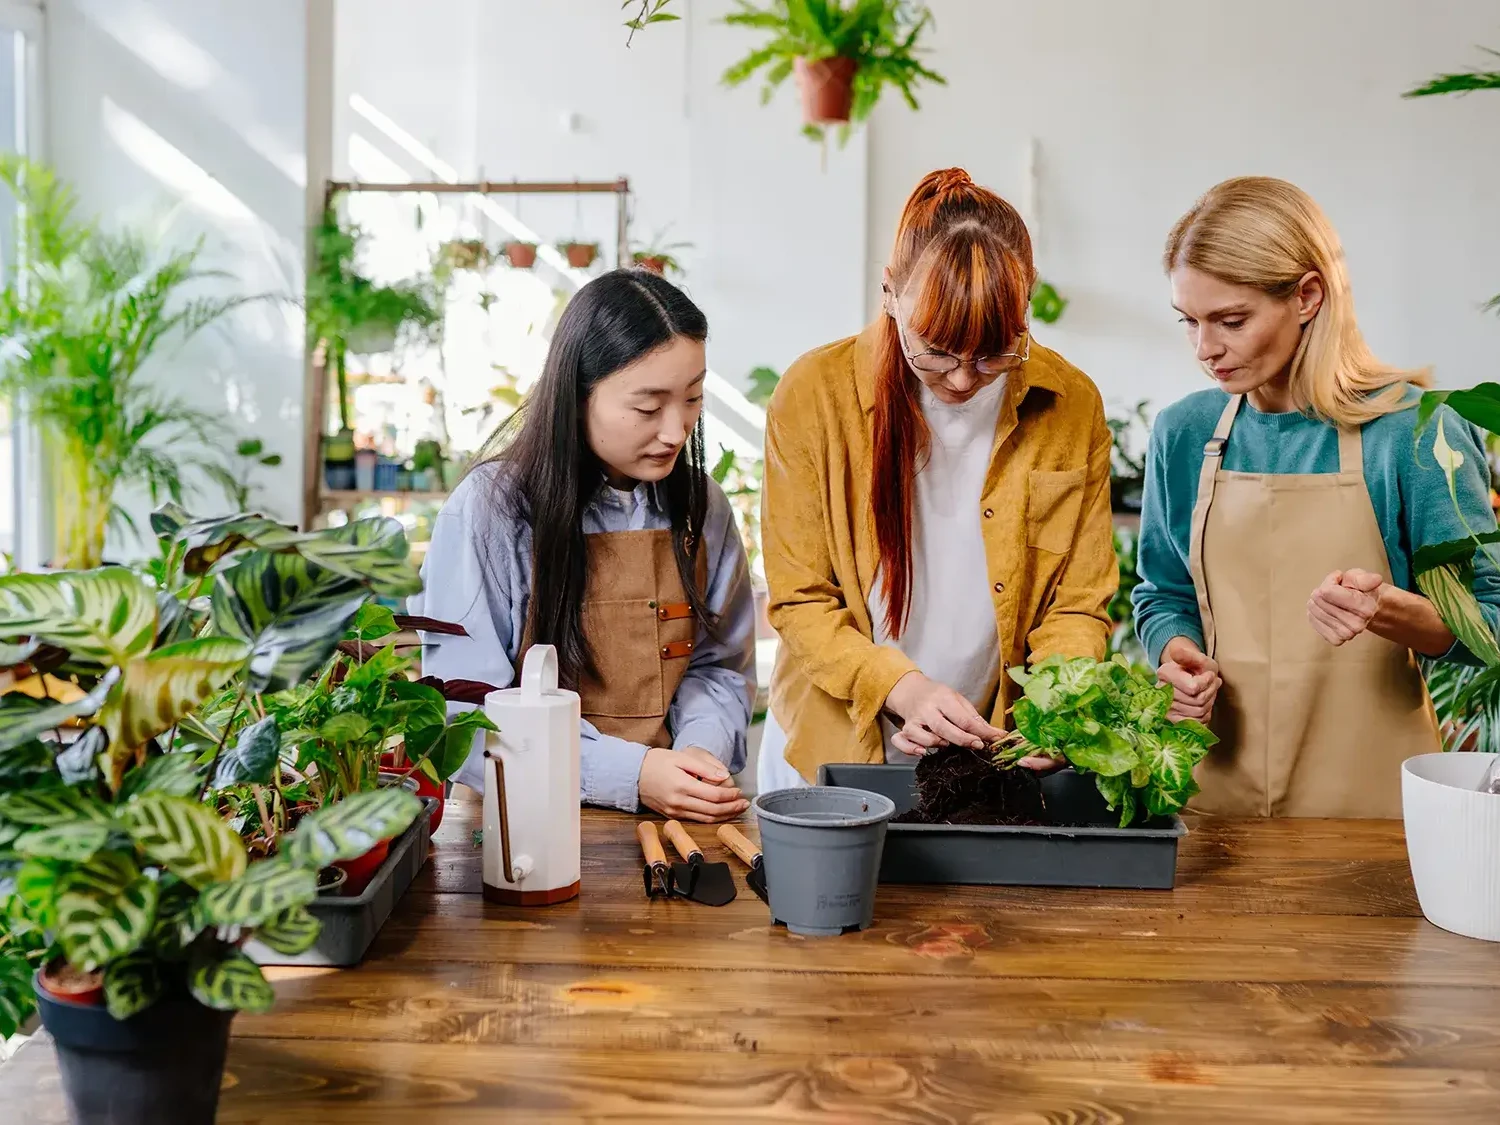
point(1288, 978)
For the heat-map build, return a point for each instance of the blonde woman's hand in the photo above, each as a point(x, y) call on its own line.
point(1344, 605)
point(1194, 678)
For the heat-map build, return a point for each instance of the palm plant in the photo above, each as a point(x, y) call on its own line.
point(80, 316)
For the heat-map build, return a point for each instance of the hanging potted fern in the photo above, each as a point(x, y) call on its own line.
point(842, 52)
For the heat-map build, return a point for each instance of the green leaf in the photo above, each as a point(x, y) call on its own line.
point(1106, 753)
point(290, 933)
point(208, 541)
point(161, 688)
point(185, 837)
point(174, 928)
point(178, 774)
point(17, 1001)
point(38, 883)
point(227, 980)
point(75, 842)
point(1480, 405)
point(105, 911)
point(253, 757)
point(1449, 588)
point(372, 622)
point(1459, 551)
point(24, 717)
point(106, 615)
point(12, 655)
point(132, 984)
point(79, 762)
point(373, 552)
point(268, 888)
point(44, 808)
point(289, 611)
point(350, 828)
point(446, 746)
point(340, 730)
point(27, 766)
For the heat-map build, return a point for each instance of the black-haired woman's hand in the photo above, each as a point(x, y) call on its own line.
point(933, 714)
point(689, 784)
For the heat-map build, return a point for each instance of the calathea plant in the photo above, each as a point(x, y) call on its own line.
point(107, 846)
point(1108, 718)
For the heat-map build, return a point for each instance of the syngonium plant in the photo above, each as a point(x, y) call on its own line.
point(111, 845)
point(1108, 718)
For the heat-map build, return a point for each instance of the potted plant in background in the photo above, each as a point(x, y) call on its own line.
point(143, 892)
point(1127, 471)
point(520, 255)
point(580, 255)
point(462, 254)
point(1047, 304)
point(236, 478)
point(348, 312)
point(80, 317)
point(657, 257)
point(843, 53)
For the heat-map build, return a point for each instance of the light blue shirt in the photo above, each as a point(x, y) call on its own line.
point(478, 574)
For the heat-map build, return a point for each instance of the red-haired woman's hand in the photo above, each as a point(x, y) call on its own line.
point(933, 714)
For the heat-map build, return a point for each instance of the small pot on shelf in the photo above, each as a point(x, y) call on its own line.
point(827, 89)
point(580, 255)
point(520, 255)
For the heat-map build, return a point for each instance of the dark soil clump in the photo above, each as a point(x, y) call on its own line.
point(957, 785)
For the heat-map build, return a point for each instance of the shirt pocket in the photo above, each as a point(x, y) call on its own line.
point(1054, 501)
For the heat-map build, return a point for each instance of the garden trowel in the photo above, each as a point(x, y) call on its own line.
point(712, 884)
point(737, 842)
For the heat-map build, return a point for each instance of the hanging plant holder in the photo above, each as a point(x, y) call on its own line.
point(580, 255)
point(827, 89)
point(520, 255)
point(466, 254)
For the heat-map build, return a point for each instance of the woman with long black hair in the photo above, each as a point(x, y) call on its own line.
point(589, 523)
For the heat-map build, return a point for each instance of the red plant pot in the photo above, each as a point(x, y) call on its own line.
point(827, 89)
point(652, 263)
point(521, 255)
point(581, 255)
point(67, 983)
point(395, 760)
point(360, 871)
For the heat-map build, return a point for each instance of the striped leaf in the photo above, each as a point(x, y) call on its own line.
point(132, 984)
point(106, 615)
point(1450, 588)
point(174, 928)
point(228, 980)
point(253, 757)
point(16, 997)
point(42, 808)
point(159, 689)
point(207, 541)
point(38, 883)
point(290, 612)
point(105, 910)
point(186, 837)
point(27, 766)
point(11, 655)
point(24, 717)
point(371, 551)
point(292, 932)
point(75, 842)
point(79, 763)
point(350, 828)
point(267, 889)
point(177, 774)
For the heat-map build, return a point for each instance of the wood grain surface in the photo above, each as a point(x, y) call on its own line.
point(1289, 977)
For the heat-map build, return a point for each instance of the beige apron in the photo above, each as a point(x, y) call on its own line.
point(1307, 728)
point(641, 627)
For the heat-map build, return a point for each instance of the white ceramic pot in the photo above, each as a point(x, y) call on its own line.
point(1453, 841)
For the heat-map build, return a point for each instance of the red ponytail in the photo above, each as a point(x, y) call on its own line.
point(969, 256)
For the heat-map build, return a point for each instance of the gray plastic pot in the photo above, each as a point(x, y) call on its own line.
point(822, 848)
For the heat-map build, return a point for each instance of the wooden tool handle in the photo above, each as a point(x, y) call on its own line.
point(681, 840)
point(736, 841)
point(645, 832)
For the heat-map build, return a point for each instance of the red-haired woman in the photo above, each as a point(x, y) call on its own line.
point(936, 503)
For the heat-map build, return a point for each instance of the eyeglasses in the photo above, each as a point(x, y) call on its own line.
point(933, 362)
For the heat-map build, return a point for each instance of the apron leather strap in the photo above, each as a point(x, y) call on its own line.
point(1213, 457)
point(1351, 450)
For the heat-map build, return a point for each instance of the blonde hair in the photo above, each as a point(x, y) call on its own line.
point(1267, 234)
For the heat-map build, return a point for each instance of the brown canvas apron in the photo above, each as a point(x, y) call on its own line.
point(641, 627)
point(1307, 728)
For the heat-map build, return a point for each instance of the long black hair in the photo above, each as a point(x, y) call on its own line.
point(549, 475)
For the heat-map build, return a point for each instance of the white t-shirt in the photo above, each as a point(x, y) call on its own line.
point(950, 632)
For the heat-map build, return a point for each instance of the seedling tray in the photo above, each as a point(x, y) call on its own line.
point(1100, 855)
point(350, 924)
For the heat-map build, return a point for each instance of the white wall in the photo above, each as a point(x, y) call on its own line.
point(191, 112)
point(1138, 108)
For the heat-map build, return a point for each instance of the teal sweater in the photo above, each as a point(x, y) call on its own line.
point(1408, 490)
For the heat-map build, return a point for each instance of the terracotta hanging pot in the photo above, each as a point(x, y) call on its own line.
point(581, 255)
point(521, 255)
point(827, 88)
point(652, 262)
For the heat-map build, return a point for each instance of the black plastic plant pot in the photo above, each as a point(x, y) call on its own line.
point(162, 1066)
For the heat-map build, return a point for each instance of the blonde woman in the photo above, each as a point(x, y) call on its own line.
point(1282, 510)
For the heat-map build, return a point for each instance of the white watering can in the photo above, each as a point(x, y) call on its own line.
point(532, 840)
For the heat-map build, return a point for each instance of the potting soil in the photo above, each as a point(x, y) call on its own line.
point(957, 785)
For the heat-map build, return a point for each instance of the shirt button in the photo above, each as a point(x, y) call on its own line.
point(989, 513)
point(999, 587)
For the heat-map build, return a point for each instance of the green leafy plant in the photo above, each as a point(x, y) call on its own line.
point(878, 36)
point(649, 12)
point(741, 478)
point(763, 382)
point(1121, 610)
point(1127, 468)
point(108, 847)
point(1047, 304)
point(656, 255)
point(1108, 719)
point(346, 311)
point(81, 314)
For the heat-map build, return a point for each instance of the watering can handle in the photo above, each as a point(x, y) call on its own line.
point(539, 671)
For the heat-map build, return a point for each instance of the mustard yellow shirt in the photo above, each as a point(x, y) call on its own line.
point(1048, 538)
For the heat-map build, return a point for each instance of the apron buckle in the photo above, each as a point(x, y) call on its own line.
point(1214, 447)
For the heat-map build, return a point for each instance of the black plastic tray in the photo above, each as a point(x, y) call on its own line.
point(1102, 855)
point(350, 924)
